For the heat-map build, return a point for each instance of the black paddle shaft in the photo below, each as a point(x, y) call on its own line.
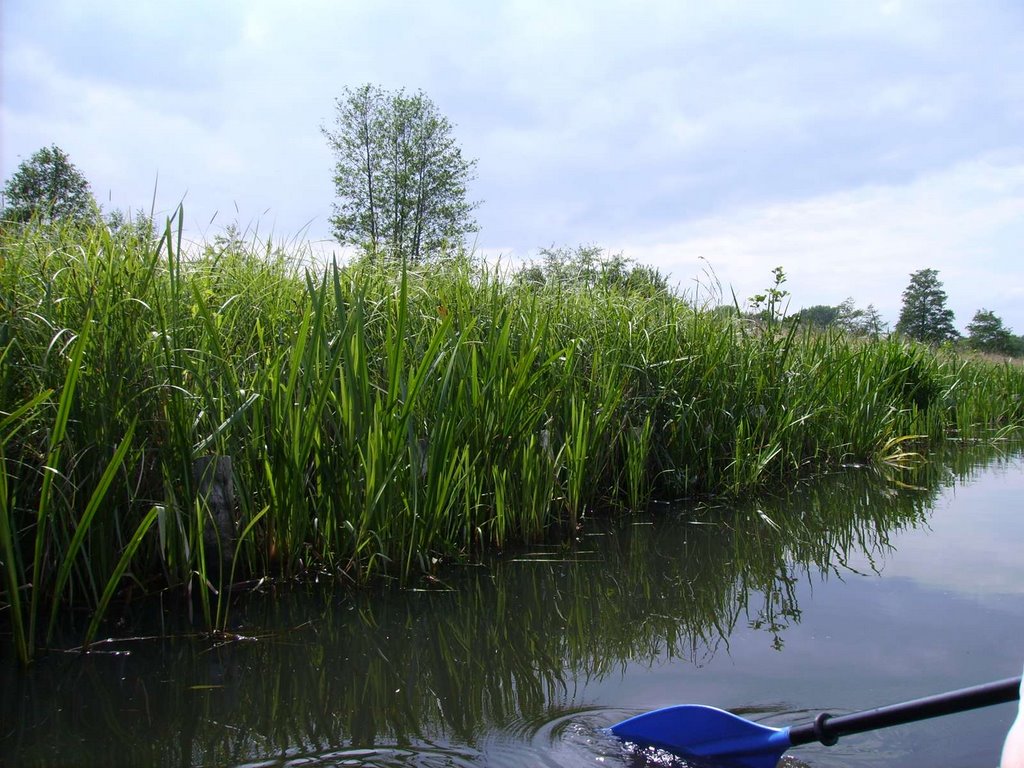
point(827, 729)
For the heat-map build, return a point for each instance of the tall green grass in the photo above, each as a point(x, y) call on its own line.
point(384, 419)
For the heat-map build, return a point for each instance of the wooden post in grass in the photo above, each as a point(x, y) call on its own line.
point(215, 489)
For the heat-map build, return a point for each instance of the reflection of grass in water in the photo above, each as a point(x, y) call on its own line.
point(384, 420)
point(506, 644)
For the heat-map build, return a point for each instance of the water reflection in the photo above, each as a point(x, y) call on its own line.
point(491, 666)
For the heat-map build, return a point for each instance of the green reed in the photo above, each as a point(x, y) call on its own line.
point(384, 418)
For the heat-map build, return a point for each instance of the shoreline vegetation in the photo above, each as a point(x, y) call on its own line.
point(383, 418)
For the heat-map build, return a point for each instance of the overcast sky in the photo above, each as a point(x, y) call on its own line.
point(851, 143)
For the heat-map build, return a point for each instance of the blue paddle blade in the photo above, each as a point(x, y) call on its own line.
point(708, 734)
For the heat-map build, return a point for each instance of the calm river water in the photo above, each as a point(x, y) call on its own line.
point(851, 591)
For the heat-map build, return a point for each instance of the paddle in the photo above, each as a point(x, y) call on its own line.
point(693, 731)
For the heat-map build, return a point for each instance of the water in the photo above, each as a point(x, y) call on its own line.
point(849, 592)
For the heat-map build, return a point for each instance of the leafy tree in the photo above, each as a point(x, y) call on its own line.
point(588, 266)
point(924, 315)
point(400, 176)
point(819, 316)
point(862, 322)
point(848, 317)
point(137, 226)
point(871, 322)
point(987, 333)
point(49, 187)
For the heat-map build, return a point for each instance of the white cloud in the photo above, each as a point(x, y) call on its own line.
point(964, 221)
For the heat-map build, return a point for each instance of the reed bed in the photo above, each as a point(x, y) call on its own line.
point(385, 419)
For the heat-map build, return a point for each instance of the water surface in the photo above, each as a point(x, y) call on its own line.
point(849, 592)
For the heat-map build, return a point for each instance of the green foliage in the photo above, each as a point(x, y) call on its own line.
point(132, 226)
point(861, 322)
point(769, 305)
point(924, 315)
point(383, 418)
point(399, 174)
point(48, 188)
point(819, 316)
point(846, 317)
point(986, 333)
point(588, 266)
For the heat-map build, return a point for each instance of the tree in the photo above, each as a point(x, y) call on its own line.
point(131, 226)
point(400, 176)
point(845, 316)
point(924, 315)
point(987, 333)
point(871, 322)
point(848, 317)
point(589, 267)
point(819, 316)
point(861, 322)
point(49, 187)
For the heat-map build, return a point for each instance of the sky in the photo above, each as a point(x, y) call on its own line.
point(850, 142)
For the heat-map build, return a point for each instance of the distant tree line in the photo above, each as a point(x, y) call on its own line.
point(924, 316)
point(846, 317)
point(589, 266)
